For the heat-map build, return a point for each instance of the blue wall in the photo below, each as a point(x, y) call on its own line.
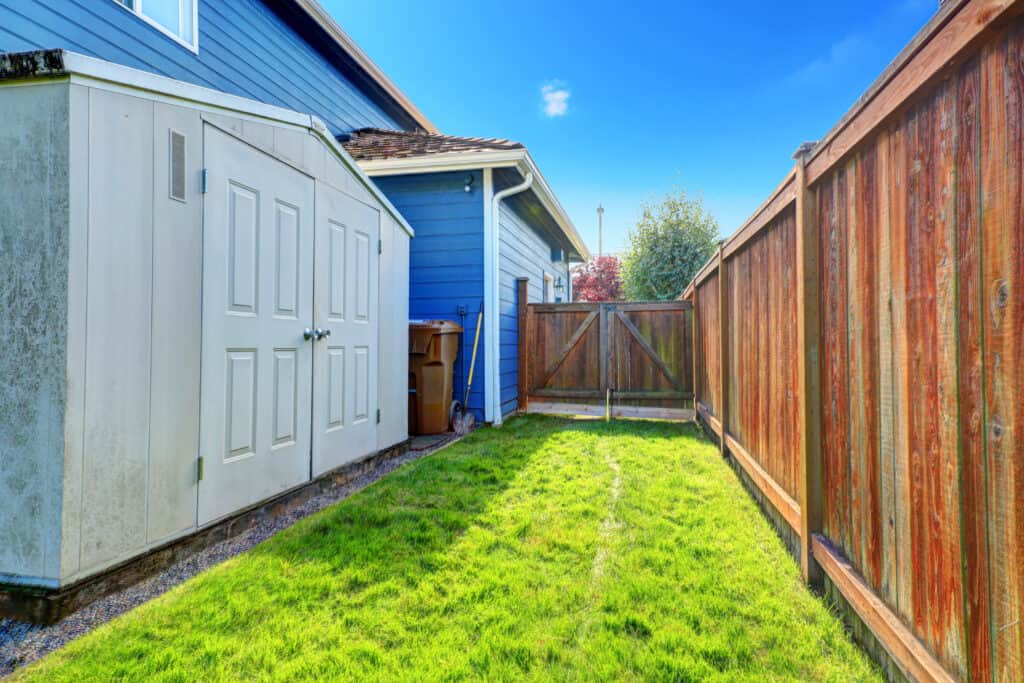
point(244, 49)
point(446, 258)
point(523, 252)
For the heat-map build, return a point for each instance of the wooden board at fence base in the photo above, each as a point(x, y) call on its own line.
point(635, 354)
point(646, 412)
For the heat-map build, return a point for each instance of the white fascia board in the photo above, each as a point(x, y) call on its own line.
point(330, 26)
point(553, 206)
point(442, 163)
point(520, 159)
point(94, 72)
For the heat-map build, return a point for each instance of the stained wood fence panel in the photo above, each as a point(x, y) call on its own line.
point(636, 354)
point(919, 235)
point(707, 367)
point(761, 371)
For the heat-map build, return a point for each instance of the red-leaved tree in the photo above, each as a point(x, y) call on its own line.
point(598, 280)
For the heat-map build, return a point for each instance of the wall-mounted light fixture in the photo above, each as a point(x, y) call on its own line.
point(559, 286)
point(469, 184)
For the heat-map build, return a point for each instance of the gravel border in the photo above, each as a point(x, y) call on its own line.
point(22, 643)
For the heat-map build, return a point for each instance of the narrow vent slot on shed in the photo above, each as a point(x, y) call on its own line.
point(177, 166)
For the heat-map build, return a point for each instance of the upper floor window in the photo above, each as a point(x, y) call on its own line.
point(176, 18)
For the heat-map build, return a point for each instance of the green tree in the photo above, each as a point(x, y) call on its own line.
point(669, 244)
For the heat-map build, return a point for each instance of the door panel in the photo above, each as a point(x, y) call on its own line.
point(345, 363)
point(256, 421)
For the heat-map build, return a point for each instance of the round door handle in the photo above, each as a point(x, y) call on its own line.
point(308, 334)
point(322, 333)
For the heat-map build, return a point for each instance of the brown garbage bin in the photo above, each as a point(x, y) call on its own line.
point(433, 347)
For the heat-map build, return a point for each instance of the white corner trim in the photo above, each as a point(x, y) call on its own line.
point(490, 295)
point(94, 72)
point(494, 277)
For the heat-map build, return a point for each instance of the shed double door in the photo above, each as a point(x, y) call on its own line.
point(289, 328)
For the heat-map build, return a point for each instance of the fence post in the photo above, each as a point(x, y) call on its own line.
point(524, 331)
point(809, 366)
point(723, 340)
point(693, 348)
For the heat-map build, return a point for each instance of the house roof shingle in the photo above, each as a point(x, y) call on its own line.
point(372, 144)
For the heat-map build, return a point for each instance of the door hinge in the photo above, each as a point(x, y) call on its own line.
point(199, 468)
point(378, 415)
point(204, 178)
point(380, 246)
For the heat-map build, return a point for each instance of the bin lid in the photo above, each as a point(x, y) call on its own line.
point(435, 326)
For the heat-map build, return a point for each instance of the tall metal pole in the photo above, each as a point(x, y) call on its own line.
point(600, 225)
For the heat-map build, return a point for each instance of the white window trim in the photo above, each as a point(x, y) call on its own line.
point(137, 13)
point(549, 288)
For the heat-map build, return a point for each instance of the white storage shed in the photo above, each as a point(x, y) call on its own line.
point(203, 305)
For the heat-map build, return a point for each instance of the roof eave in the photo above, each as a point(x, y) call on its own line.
point(519, 159)
point(319, 15)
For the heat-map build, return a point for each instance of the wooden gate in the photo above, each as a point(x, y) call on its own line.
point(614, 359)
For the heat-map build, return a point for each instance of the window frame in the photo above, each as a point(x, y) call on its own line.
point(136, 11)
point(549, 294)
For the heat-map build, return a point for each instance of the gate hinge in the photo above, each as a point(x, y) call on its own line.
point(204, 177)
point(378, 415)
point(199, 468)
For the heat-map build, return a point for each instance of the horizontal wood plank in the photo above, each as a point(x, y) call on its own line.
point(909, 653)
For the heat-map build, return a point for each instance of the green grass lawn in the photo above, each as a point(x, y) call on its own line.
point(547, 549)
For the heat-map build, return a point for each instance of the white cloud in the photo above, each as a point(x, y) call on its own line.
point(851, 50)
point(555, 100)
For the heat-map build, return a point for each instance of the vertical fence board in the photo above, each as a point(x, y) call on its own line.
point(901, 371)
point(1003, 300)
point(970, 380)
point(946, 468)
point(884, 330)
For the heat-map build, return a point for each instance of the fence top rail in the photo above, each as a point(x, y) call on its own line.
point(777, 202)
point(619, 305)
point(954, 28)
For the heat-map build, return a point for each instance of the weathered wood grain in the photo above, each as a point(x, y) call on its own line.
point(1002, 281)
point(973, 466)
point(919, 210)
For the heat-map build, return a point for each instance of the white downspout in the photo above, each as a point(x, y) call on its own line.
point(492, 311)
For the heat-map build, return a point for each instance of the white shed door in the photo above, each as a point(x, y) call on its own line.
point(345, 363)
point(257, 368)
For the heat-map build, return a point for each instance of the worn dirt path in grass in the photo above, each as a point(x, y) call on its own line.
point(548, 549)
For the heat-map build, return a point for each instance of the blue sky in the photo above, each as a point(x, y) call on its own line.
point(621, 102)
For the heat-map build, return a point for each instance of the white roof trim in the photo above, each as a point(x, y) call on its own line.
point(464, 161)
point(78, 66)
point(328, 24)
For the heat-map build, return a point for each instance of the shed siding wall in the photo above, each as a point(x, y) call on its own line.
point(244, 49)
point(394, 339)
point(446, 258)
point(33, 327)
point(522, 252)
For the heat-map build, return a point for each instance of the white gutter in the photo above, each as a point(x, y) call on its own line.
point(492, 291)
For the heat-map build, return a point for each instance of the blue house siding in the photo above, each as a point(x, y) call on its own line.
point(522, 252)
point(244, 49)
point(446, 258)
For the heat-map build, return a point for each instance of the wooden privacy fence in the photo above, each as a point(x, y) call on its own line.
point(619, 359)
point(860, 350)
